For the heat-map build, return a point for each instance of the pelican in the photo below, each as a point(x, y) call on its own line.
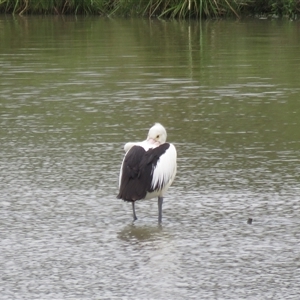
point(148, 169)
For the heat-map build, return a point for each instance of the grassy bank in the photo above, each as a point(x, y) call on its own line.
point(154, 8)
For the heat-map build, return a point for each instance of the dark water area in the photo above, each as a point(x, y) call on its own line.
point(73, 91)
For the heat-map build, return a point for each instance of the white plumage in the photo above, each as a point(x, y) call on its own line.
point(148, 169)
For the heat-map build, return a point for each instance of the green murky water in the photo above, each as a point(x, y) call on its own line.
point(74, 90)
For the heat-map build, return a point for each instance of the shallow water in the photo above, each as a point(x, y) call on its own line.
point(73, 91)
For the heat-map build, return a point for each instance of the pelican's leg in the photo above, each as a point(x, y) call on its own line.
point(160, 202)
point(133, 211)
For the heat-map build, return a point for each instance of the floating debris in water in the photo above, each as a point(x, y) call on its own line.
point(249, 221)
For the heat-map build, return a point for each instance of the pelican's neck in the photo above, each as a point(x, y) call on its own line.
point(152, 142)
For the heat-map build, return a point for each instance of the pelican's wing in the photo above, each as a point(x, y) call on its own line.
point(165, 170)
point(132, 183)
point(128, 146)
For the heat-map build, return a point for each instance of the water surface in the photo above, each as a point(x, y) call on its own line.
point(74, 90)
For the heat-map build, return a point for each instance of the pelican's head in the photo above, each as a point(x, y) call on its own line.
point(157, 134)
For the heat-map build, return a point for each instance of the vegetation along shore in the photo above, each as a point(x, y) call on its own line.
point(155, 8)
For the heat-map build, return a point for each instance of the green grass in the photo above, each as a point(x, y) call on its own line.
point(154, 8)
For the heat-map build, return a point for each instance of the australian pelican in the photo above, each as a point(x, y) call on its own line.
point(148, 169)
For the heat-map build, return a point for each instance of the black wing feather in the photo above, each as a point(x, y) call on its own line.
point(137, 171)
